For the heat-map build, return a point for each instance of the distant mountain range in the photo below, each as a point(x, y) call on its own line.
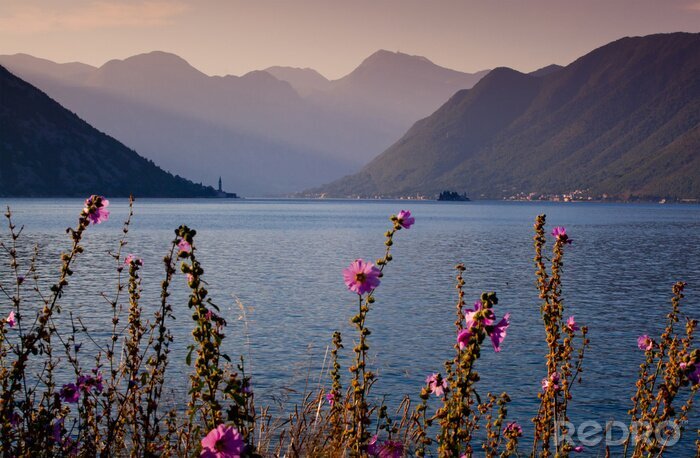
point(266, 132)
point(622, 121)
point(45, 150)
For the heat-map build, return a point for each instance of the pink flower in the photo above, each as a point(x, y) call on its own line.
point(485, 317)
point(559, 233)
point(578, 449)
point(223, 442)
point(571, 324)
point(330, 397)
point(514, 429)
point(551, 382)
point(69, 393)
point(436, 384)
point(498, 333)
point(361, 277)
point(96, 209)
point(133, 259)
point(405, 219)
point(11, 320)
point(645, 343)
point(184, 246)
point(386, 449)
point(463, 338)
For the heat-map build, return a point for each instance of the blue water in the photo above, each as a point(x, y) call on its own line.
point(283, 261)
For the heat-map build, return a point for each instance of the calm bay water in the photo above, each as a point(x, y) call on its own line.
point(283, 260)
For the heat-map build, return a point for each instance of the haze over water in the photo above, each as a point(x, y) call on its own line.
point(283, 260)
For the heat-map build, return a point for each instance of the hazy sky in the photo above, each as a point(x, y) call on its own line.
point(234, 37)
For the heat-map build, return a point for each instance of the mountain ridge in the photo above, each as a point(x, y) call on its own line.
point(46, 150)
point(622, 120)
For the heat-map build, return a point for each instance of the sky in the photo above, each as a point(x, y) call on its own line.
point(333, 36)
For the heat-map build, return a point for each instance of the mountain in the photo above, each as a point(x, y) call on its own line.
point(256, 130)
point(394, 89)
point(623, 120)
point(305, 81)
point(544, 71)
point(45, 150)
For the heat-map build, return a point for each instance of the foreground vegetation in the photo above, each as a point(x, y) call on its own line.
point(119, 405)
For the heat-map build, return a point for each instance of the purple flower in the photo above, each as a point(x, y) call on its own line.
point(57, 430)
point(578, 449)
point(372, 446)
point(96, 209)
point(11, 320)
point(498, 333)
point(133, 259)
point(692, 371)
point(184, 246)
point(20, 279)
point(571, 324)
point(386, 449)
point(70, 393)
point(559, 233)
point(514, 429)
point(405, 219)
point(15, 419)
point(361, 277)
point(644, 342)
point(89, 382)
point(391, 449)
point(330, 397)
point(436, 384)
point(223, 442)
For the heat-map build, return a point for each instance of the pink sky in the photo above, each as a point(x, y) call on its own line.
point(236, 36)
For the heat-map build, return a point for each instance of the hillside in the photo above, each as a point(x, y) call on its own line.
point(45, 150)
point(623, 120)
point(255, 130)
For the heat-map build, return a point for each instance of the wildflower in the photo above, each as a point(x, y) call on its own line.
point(391, 449)
point(57, 430)
point(463, 338)
point(20, 279)
point(513, 429)
point(133, 259)
point(11, 320)
point(372, 446)
point(405, 219)
point(223, 442)
point(485, 316)
point(184, 246)
point(330, 397)
point(69, 393)
point(692, 372)
point(571, 324)
point(644, 342)
point(88, 382)
point(96, 209)
point(578, 449)
point(361, 277)
point(436, 384)
point(559, 233)
point(551, 382)
point(498, 333)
